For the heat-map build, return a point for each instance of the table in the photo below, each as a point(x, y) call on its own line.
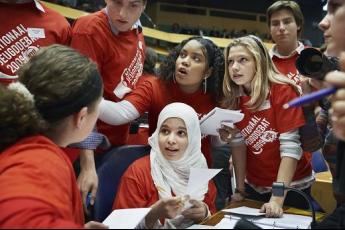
point(322, 191)
point(217, 217)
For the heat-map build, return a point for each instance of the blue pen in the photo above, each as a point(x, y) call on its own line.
point(88, 199)
point(310, 97)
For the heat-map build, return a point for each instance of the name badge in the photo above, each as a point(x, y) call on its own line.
point(36, 33)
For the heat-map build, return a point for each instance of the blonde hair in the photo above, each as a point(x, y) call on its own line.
point(265, 74)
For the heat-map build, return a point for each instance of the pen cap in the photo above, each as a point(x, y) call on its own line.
point(312, 63)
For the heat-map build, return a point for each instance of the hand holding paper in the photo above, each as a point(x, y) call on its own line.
point(211, 122)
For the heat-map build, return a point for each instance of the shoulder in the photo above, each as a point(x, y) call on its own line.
point(139, 168)
point(37, 153)
point(282, 89)
point(91, 23)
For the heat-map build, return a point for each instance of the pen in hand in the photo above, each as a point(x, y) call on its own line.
point(310, 97)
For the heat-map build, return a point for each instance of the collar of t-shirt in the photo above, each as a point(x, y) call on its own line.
point(137, 25)
point(37, 3)
point(273, 52)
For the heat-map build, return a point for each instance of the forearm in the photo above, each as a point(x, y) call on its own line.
point(286, 172)
point(87, 159)
point(239, 158)
point(118, 113)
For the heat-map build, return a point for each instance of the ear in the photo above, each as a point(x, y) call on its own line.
point(80, 117)
point(208, 73)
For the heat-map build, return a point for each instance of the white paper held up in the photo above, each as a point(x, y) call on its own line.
point(199, 177)
point(126, 218)
point(211, 122)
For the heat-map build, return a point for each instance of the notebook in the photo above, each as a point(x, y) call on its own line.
point(287, 221)
point(212, 121)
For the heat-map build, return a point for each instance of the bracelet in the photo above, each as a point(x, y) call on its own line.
point(243, 193)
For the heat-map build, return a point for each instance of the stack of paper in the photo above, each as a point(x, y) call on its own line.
point(212, 121)
point(126, 218)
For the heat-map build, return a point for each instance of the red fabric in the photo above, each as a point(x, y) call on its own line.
point(140, 138)
point(72, 153)
point(137, 189)
point(261, 131)
point(120, 59)
point(28, 213)
point(152, 95)
point(37, 170)
point(15, 44)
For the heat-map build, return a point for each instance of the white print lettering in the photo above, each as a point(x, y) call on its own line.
point(131, 74)
point(257, 133)
point(295, 77)
point(16, 47)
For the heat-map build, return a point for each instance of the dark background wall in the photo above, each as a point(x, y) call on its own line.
point(312, 10)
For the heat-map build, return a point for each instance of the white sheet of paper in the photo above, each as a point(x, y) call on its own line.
point(125, 218)
point(199, 177)
point(211, 122)
point(244, 211)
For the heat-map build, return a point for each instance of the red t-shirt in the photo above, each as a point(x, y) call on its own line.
point(152, 95)
point(137, 189)
point(37, 172)
point(261, 132)
point(120, 59)
point(287, 66)
point(24, 29)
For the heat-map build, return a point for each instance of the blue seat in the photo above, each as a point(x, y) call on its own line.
point(318, 162)
point(109, 176)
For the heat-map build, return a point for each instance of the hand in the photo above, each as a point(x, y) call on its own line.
point(236, 197)
point(164, 208)
point(272, 209)
point(88, 179)
point(95, 225)
point(198, 212)
point(337, 111)
point(169, 207)
point(227, 133)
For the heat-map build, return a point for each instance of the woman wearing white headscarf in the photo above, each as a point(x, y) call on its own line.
point(160, 180)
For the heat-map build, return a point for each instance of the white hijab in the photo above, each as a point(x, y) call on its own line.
point(172, 176)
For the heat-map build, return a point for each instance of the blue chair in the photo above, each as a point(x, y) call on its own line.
point(318, 162)
point(109, 176)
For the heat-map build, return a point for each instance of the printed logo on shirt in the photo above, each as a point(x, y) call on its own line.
point(131, 74)
point(257, 133)
point(295, 77)
point(16, 47)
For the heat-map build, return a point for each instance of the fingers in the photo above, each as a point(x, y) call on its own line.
point(336, 78)
point(93, 194)
point(95, 225)
point(271, 210)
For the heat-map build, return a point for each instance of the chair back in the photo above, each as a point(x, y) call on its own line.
point(318, 162)
point(109, 176)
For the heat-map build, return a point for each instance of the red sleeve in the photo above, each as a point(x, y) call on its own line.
point(210, 197)
point(286, 119)
point(31, 213)
point(142, 96)
point(130, 193)
point(66, 35)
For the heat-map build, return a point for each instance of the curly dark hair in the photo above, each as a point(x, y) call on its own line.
point(214, 58)
point(19, 117)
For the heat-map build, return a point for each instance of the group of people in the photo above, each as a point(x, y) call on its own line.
point(51, 98)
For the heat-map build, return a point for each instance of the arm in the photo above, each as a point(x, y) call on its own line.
point(239, 159)
point(87, 179)
point(118, 113)
point(291, 153)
